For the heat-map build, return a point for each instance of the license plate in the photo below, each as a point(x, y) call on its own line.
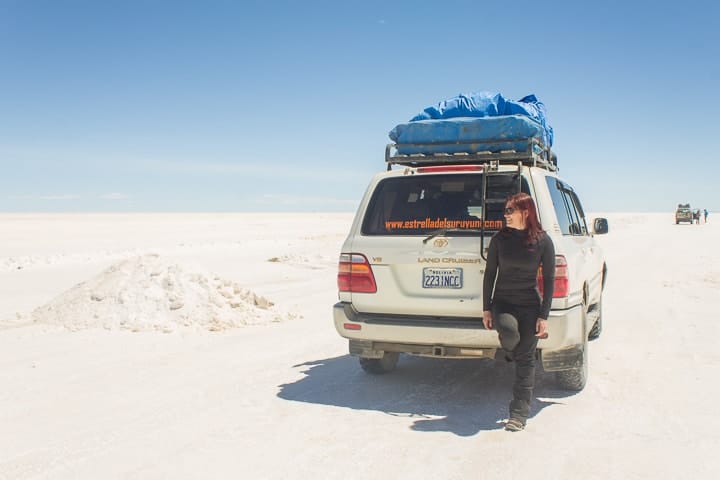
point(442, 278)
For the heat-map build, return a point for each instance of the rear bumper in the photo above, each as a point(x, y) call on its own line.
point(456, 335)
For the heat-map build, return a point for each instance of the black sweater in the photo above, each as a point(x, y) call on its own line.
point(512, 267)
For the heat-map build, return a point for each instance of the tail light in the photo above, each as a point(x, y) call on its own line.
point(355, 274)
point(560, 289)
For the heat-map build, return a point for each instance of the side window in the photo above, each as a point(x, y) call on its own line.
point(575, 228)
point(571, 217)
point(580, 213)
point(560, 204)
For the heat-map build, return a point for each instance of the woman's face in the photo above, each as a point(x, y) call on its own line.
point(514, 217)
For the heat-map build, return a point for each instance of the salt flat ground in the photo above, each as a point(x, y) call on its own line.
point(282, 399)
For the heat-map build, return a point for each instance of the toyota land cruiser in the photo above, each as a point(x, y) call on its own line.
point(410, 271)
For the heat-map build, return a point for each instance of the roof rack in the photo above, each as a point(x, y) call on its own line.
point(527, 151)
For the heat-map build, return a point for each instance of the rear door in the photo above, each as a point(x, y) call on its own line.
point(579, 247)
point(422, 235)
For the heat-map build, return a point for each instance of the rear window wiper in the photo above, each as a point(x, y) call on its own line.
point(444, 231)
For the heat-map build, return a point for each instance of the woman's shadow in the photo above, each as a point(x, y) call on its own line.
point(457, 396)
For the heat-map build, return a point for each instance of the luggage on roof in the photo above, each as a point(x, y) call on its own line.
point(476, 123)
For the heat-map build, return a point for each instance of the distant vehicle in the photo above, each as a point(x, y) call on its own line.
point(683, 213)
point(411, 269)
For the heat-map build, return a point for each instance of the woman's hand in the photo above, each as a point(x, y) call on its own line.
point(487, 319)
point(541, 328)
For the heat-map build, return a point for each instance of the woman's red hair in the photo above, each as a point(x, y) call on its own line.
point(523, 201)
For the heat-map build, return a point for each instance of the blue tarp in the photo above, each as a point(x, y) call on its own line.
point(476, 117)
point(467, 134)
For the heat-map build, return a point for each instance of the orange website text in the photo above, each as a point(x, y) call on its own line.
point(441, 223)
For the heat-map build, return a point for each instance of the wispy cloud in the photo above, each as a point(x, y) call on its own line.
point(280, 199)
point(114, 196)
point(257, 170)
point(68, 196)
point(221, 168)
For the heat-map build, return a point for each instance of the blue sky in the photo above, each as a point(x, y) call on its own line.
point(286, 105)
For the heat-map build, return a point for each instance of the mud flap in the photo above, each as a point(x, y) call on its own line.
point(364, 349)
point(565, 359)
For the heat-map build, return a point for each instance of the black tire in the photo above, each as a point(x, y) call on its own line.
point(574, 379)
point(596, 329)
point(379, 366)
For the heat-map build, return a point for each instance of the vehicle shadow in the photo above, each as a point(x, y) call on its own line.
point(457, 396)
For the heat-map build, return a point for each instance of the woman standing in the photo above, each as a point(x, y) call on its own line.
point(514, 305)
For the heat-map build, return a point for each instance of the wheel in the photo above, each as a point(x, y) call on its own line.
point(596, 329)
point(574, 379)
point(378, 366)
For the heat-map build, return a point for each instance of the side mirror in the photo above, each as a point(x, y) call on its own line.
point(600, 226)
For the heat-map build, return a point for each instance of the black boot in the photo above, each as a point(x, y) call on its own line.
point(515, 424)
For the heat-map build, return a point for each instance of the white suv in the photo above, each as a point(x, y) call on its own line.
point(411, 269)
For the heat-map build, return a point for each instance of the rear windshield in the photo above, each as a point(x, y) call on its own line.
point(421, 204)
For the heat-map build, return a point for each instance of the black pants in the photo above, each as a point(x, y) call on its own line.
point(516, 328)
